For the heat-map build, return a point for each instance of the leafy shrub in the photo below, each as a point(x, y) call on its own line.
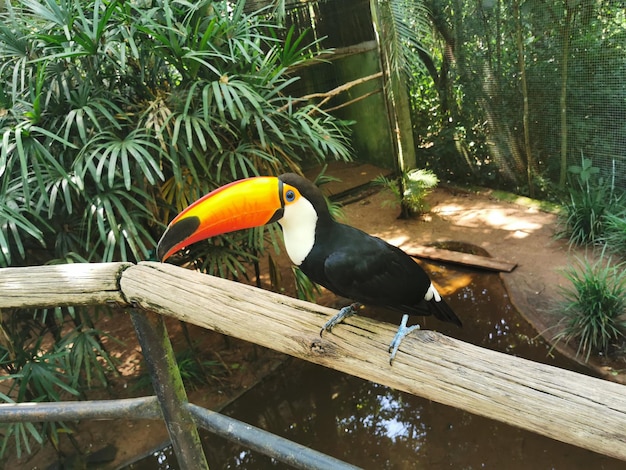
point(114, 116)
point(615, 233)
point(594, 306)
point(195, 370)
point(591, 199)
point(410, 190)
point(36, 372)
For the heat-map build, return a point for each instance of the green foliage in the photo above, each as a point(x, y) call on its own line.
point(594, 306)
point(116, 114)
point(113, 117)
point(43, 361)
point(410, 190)
point(615, 233)
point(33, 374)
point(405, 33)
point(468, 104)
point(87, 358)
point(591, 200)
point(305, 288)
point(194, 370)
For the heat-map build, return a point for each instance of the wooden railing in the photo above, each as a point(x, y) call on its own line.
point(570, 407)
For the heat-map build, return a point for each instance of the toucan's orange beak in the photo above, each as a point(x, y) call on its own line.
point(242, 204)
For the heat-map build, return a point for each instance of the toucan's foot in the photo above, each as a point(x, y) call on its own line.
point(341, 316)
point(401, 333)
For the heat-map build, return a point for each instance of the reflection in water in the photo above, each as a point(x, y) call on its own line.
point(376, 427)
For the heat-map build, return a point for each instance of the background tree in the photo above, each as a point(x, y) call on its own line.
point(469, 103)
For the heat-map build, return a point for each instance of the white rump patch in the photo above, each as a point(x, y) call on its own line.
point(432, 293)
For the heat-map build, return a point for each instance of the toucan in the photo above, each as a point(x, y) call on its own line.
point(345, 260)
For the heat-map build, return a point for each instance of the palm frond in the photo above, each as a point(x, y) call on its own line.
point(406, 30)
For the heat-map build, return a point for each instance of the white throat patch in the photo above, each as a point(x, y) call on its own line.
point(298, 222)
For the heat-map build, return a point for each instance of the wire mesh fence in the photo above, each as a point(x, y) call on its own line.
point(527, 89)
point(504, 93)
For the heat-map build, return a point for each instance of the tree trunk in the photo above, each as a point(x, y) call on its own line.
point(563, 100)
point(526, 111)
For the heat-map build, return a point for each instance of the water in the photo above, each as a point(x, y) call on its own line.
point(376, 427)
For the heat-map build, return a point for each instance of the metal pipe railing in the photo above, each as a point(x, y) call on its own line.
point(279, 448)
point(137, 408)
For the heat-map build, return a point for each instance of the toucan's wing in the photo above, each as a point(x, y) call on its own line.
point(371, 271)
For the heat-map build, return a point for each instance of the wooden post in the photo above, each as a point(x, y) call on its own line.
point(170, 391)
point(563, 405)
point(395, 93)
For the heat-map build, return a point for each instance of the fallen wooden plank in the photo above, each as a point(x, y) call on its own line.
point(563, 405)
point(61, 285)
point(463, 259)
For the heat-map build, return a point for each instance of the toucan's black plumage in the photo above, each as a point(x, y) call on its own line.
point(341, 258)
point(364, 268)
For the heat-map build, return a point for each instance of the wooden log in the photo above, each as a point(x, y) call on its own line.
point(560, 404)
point(61, 285)
point(463, 259)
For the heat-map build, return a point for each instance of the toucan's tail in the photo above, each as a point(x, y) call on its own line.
point(442, 311)
point(439, 308)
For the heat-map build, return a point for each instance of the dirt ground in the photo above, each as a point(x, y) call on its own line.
point(508, 231)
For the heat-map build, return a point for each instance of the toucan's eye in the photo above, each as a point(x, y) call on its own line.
point(290, 194)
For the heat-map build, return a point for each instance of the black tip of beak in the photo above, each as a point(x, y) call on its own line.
point(175, 234)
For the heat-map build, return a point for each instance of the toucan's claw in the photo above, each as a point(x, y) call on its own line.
point(403, 330)
point(344, 313)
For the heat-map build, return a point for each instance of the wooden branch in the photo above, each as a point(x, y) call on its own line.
point(61, 285)
point(341, 88)
point(352, 101)
point(560, 404)
point(354, 49)
point(566, 406)
point(337, 53)
point(326, 96)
